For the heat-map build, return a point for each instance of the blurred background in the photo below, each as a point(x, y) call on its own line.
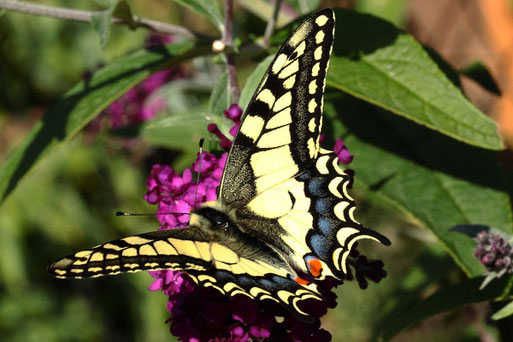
point(69, 202)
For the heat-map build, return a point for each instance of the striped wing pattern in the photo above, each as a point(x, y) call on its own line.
point(279, 132)
point(210, 264)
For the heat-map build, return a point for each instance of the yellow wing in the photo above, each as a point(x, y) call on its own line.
point(260, 275)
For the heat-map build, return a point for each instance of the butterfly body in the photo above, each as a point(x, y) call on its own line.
point(283, 218)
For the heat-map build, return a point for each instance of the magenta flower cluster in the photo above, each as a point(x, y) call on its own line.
point(141, 103)
point(494, 252)
point(204, 314)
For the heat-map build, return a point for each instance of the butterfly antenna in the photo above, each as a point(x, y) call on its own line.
point(199, 171)
point(123, 213)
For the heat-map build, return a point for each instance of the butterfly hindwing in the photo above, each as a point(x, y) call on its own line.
point(279, 131)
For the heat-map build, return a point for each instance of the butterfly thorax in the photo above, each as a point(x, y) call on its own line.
point(219, 224)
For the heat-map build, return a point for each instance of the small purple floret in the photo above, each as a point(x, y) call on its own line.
point(494, 252)
point(340, 149)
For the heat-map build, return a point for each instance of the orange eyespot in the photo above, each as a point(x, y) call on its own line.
point(301, 281)
point(315, 267)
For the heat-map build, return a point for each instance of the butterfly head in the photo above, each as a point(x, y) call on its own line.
point(212, 219)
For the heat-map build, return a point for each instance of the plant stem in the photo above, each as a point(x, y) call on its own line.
point(230, 61)
point(271, 24)
point(85, 16)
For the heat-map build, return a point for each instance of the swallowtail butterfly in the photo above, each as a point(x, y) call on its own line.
point(283, 208)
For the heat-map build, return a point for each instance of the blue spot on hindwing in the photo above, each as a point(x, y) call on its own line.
point(318, 244)
point(326, 226)
point(316, 188)
point(323, 205)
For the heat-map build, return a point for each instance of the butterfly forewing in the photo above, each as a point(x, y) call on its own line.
point(210, 264)
point(279, 132)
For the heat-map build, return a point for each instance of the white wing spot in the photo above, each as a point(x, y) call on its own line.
point(96, 257)
point(315, 69)
point(129, 252)
point(312, 87)
point(275, 138)
point(300, 34)
point(284, 101)
point(147, 250)
point(321, 165)
point(321, 20)
point(300, 49)
point(318, 53)
point(136, 240)
point(292, 68)
point(267, 97)
point(339, 210)
point(312, 105)
point(289, 83)
point(278, 63)
point(319, 37)
point(333, 186)
point(252, 126)
point(280, 119)
point(312, 148)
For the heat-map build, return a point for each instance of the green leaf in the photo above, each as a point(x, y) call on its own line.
point(221, 98)
point(253, 82)
point(448, 298)
point(479, 73)
point(101, 22)
point(83, 102)
point(390, 10)
point(375, 61)
point(180, 131)
point(304, 7)
point(105, 3)
point(264, 10)
point(123, 11)
point(207, 8)
point(504, 312)
point(437, 180)
point(430, 268)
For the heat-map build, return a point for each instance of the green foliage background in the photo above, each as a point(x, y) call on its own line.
point(425, 157)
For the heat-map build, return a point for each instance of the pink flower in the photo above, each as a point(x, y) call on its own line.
point(140, 103)
point(344, 156)
point(234, 113)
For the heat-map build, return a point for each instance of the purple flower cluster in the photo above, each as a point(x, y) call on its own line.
point(179, 194)
point(140, 103)
point(204, 314)
point(233, 113)
point(494, 252)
